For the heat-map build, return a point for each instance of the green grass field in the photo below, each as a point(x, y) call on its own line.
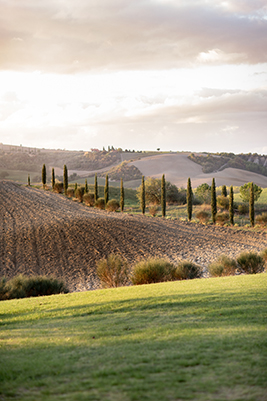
point(203, 339)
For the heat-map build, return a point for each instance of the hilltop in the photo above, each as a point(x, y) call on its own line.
point(16, 162)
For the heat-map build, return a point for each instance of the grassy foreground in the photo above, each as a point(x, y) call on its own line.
point(192, 340)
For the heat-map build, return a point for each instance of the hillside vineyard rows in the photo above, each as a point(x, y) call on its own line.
point(45, 233)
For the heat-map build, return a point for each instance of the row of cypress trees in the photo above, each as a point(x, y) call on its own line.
point(189, 195)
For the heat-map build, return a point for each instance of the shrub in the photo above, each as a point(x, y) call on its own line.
point(250, 263)
point(153, 271)
point(58, 187)
point(187, 270)
point(262, 219)
point(223, 202)
point(112, 271)
point(70, 192)
point(112, 205)
point(203, 216)
point(79, 193)
point(89, 199)
point(223, 266)
point(264, 255)
point(22, 287)
point(153, 210)
point(100, 203)
point(243, 209)
point(221, 218)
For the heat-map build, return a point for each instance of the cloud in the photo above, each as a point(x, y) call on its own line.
point(69, 36)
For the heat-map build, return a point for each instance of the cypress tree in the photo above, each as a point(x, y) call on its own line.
point(213, 201)
point(29, 180)
point(75, 187)
point(44, 175)
point(65, 179)
point(96, 188)
point(163, 196)
point(224, 190)
point(122, 196)
point(86, 187)
point(189, 199)
point(143, 196)
point(106, 190)
point(53, 178)
point(231, 205)
point(251, 205)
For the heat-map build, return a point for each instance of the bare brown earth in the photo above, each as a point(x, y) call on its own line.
point(45, 233)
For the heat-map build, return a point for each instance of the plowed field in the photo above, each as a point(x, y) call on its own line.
point(45, 233)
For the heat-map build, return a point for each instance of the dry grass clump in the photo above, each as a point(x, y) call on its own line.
point(58, 187)
point(112, 271)
point(100, 203)
point(222, 218)
point(223, 266)
point(153, 271)
point(89, 199)
point(187, 270)
point(250, 263)
point(153, 210)
point(262, 219)
point(203, 216)
point(23, 287)
point(70, 192)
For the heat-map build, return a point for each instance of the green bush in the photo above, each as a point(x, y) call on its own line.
point(221, 218)
point(203, 216)
point(58, 187)
point(112, 205)
point(89, 199)
point(223, 202)
point(250, 263)
point(242, 209)
point(187, 270)
point(223, 266)
point(112, 271)
point(30, 286)
point(262, 219)
point(100, 203)
point(153, 271)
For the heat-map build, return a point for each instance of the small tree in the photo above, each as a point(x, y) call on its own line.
point(96, 188)
point(213, 201)
point(245, 192)
point(203, 193)
point(251, 205)
point(44, 175)
point(189, 199)
point(53, 178)
point(143, 196)
point(163, 196)
point(224, 190)
point(65, 179)
point(29, 180)
point(106, 190)
point(122, 196)
point(86, 187)
point(231, 205)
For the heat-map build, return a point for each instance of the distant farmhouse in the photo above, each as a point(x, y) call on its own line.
point(17, 149)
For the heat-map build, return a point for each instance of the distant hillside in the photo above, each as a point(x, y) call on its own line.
point(211, 162)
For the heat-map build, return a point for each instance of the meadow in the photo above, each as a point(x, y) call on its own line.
point(202, 339)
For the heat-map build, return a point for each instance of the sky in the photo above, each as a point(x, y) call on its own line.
point(179, 75)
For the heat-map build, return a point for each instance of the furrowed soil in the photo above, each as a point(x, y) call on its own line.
point(45, 233)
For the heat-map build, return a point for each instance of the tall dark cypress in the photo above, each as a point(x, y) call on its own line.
point(143, 196)
point(53, 178)
point(65, 179)
point(251, 205)
point(122, 196)
point(44, 175)
point(96, 188)
point(213, 201)
point(106, 190)
point(86, 186)
point(231, 205)
point(189, 199)
point(224, 190)
point(163, 196)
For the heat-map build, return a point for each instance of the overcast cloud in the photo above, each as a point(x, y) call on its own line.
point(179, 75)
